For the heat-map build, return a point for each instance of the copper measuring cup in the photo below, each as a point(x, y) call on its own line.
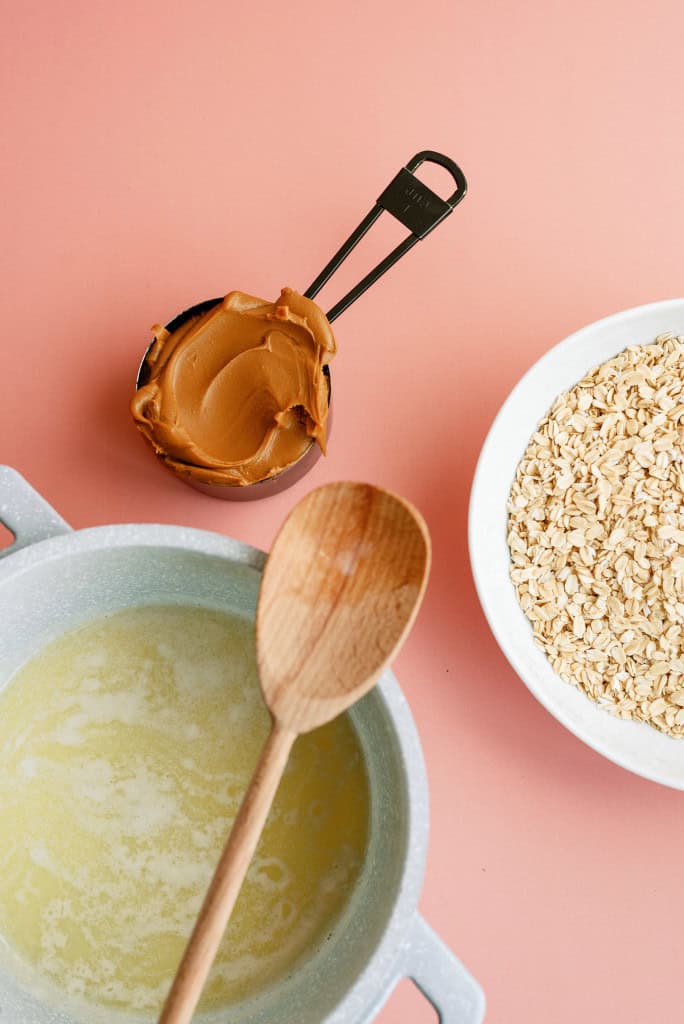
point(419, 209)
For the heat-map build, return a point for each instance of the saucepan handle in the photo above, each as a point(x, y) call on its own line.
point(25, 513)
point(441, 977)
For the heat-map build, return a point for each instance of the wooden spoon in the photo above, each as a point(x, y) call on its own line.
point(339, 593)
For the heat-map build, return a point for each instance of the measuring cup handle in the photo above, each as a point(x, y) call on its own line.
point(446, 984)
point(429, 156)
point(25, 513)
point(414, 205)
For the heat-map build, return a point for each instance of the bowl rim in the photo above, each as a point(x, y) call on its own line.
point(488, 583)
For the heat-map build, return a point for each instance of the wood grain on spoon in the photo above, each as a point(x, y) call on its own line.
point(339, 593)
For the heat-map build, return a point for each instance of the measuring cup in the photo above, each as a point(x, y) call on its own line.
point(419, 209)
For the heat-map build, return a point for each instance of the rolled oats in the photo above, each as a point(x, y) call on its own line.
point(596, 534)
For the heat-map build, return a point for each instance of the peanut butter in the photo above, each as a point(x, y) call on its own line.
point(238, 394)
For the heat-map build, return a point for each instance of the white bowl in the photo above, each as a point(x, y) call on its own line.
point(632, 745)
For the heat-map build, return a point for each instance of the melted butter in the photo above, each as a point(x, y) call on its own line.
point(125, 749)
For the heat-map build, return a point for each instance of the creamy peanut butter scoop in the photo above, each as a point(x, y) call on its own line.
point(236, 392)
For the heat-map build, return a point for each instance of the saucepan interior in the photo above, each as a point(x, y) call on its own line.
point(58, 584)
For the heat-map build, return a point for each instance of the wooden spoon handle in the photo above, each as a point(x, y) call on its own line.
point(228, 878)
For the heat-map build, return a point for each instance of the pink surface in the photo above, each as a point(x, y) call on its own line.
point(157, 154)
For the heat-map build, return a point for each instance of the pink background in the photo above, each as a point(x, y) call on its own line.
point(159, 153)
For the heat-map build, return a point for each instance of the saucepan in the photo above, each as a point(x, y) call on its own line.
point(53, 579)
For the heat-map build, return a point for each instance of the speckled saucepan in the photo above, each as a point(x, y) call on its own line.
point(53, 579)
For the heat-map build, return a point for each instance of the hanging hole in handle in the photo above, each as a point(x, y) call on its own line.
point(7, 538)
point(436, 177)
point(457, 176)
point(408, 1003)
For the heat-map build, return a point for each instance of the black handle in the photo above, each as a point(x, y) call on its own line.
point(454, 170)
point(411, 202)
